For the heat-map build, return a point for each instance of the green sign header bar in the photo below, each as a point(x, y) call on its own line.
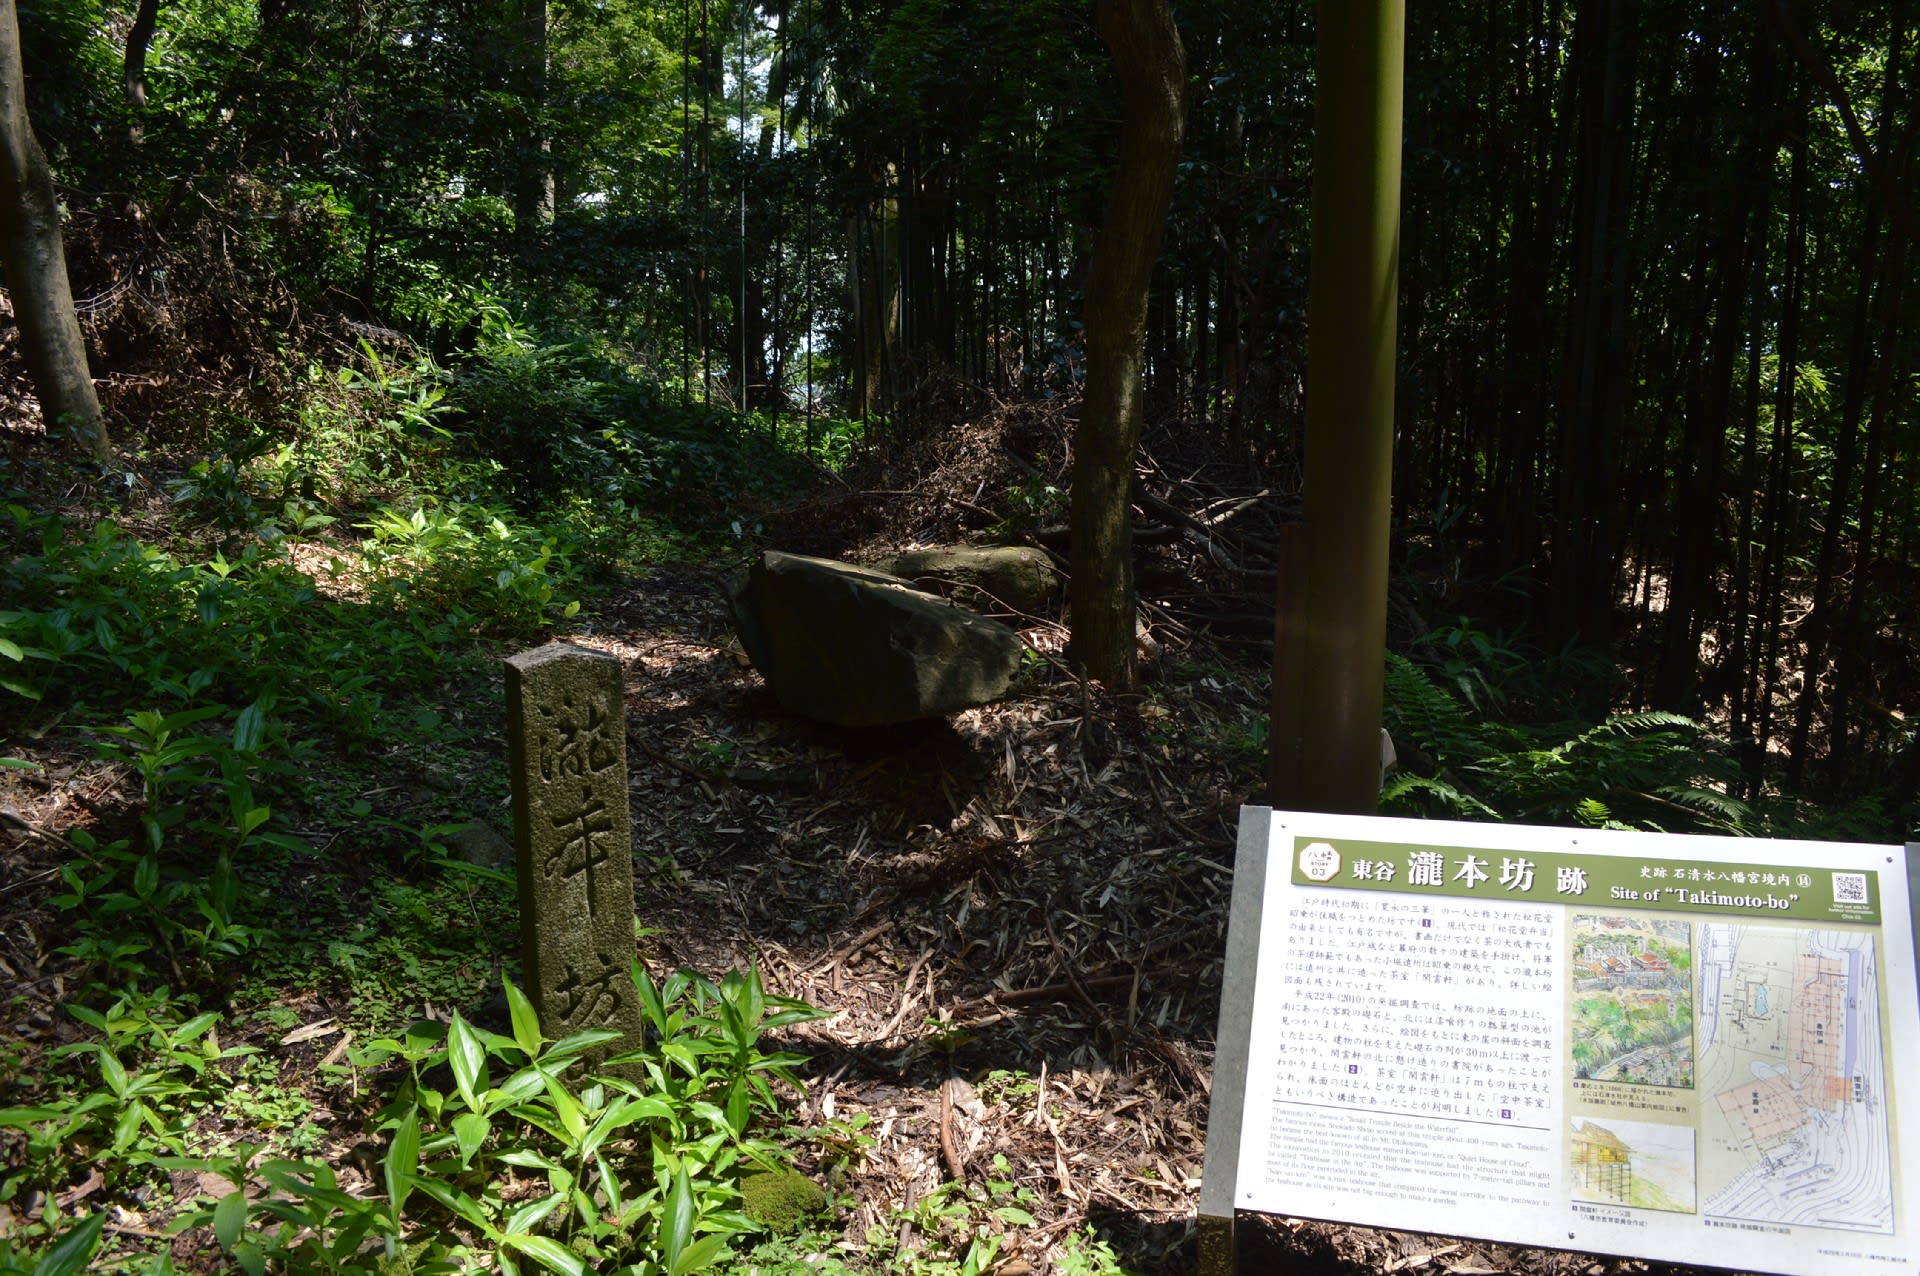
point(1595, 880)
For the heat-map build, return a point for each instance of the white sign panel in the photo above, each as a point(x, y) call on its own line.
point(1674, 1047)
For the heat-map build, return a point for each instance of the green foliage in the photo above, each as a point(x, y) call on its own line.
point(408, 941)
point(568, 419)
point(66, 1256)
point(1031, 504)
point(111, 618)
point(831, 441)
point(154, 1068)
point(1083, 1253)
point(1474, 664)
point(178, 885)
point(1644, 770)
point(473, 562)
point(961, 1225)
point(643, 1163)
point(1003, 1085)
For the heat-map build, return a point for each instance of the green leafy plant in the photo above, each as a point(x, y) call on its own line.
point(153, 1067)
point(961, 1226)
point(472, 558)
point(1004, 1085)
point(68, 1255)
point(1031, 504)
point(179, 880)
point(1474, 664)
point(1084, 1253)
point(642, 1162)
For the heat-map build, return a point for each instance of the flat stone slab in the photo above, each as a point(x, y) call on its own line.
point(859, 648)
point(987, 578)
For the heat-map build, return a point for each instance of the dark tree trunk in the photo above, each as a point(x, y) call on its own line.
point(134, 64)
point(533, 190)
point(1528, 390)
point(1854, 660)
point(1744, 632)
point(1773, 559)
point(1588, 461)
point(35, 261)
point(1699, 486)
point(1152, 71)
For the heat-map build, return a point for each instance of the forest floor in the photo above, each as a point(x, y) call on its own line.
point(1014, 919)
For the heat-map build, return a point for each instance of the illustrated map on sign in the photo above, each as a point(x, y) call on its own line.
point(1792, 1079)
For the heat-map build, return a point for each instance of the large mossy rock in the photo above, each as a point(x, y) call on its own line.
point(859, 648)
point(987, 578)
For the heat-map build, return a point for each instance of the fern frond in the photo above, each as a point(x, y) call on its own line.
point(1645, 720)
point(1728, 813)
point(1403, 785)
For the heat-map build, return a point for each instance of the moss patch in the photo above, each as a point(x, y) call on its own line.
point(781, 1201)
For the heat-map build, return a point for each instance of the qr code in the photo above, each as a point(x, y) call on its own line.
point(1849, 888)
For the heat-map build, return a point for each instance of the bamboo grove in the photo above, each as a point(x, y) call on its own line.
point(1658, 375)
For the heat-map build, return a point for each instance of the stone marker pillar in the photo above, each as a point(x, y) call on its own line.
point(567, 750)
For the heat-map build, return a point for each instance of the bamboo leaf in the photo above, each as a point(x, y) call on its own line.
point(229, 1216)
point(71, 1253)
point(549, 1253)
point(526, 1021)
point(700, 1254)
point(402, 1160)
point(469, 1060)
point(470, 1130)
point(676, 1222)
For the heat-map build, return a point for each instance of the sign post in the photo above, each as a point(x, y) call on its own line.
point(1672, 1047)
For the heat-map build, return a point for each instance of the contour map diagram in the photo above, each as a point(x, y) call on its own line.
point(1792, 1079)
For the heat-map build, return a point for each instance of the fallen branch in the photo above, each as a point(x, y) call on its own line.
point(949, 1149)
point(1046, 992)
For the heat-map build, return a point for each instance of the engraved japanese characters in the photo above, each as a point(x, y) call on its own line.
point(567, 752)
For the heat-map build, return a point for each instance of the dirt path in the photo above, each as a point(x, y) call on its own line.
point(1016, 918)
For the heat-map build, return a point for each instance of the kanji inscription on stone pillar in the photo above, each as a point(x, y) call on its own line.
point(567, 751)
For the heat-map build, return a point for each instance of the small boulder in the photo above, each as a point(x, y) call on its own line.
point(481, 845)
point(859, 648)
point(988, 578)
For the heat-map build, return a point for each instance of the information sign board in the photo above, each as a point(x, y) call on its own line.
point(1668, 1046)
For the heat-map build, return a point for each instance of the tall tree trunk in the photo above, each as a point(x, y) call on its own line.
point(1588, 460)
point(1527, 391)
point(1774, 556)
point(1819, 621)
point(35, 261)
point(1854, 659)
point(1744, 637)
point(1690, 592)
point(1152, 71)
point(134, 64)
point(533, 158)
point(1331, 635)
point(873, 274)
